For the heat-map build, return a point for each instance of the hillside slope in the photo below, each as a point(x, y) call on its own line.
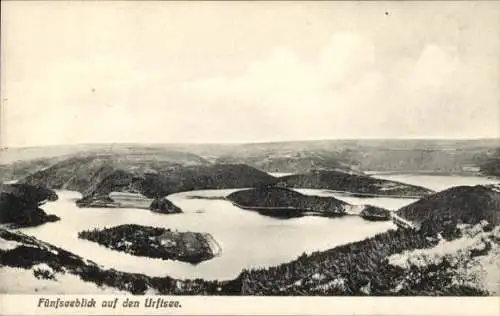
point(443, 211)
point(490, 165)
point(96, 176)
point(20, 205)
point(79, 172)
point(403, 262)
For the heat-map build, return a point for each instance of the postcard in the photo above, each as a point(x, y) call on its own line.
point(250, 158)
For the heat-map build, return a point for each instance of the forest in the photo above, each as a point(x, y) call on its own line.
point(153, 242)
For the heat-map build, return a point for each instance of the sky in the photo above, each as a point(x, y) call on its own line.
point(163, 72)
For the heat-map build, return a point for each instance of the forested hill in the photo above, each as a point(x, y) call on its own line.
point(275, 201)
point(443, 211)
point(20, 204)
point(340, 181)
point(153, 176)
point(357, 155)
point(490, 165)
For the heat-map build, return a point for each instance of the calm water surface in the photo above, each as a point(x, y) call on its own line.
point(437, 182)
point(248, 239)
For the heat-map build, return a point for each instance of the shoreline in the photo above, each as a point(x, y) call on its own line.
point(428, 173)
point(374, 195)
point(215, 248)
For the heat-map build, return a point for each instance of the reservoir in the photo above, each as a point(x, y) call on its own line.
point(248, 239)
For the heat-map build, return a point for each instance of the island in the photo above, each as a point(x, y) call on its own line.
point(454, 253)
point(129, 200)
point(142, 179)
point(155, 242)
point(373, 213)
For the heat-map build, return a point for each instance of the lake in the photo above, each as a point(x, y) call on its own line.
point(435, 182)
point(248, 239)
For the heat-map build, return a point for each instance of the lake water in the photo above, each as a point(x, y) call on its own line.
point(436, 182)
point(247, 238)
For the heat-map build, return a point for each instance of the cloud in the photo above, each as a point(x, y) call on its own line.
point(343, 92)
point(275, 73)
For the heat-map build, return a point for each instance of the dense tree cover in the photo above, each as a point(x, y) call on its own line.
point(155, 177)
point(204, 177)
point(33, 252)
point(360, 268)
point(405, 155)
point(153, 242)
point(375, 213)
point(157, 185)
point(82, 172)
point(352, 266)
point(441, 212)
point(20, 204)
point(340, 181)
point(276, 197)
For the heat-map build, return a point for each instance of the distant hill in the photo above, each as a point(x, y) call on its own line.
point(357, 184)
point(441, 156)
point(81, 172)
point(160, 184)
point(20, 169)
point(443, 211)
point(155, 242)
point(292, 161)
point(154, 176)
point(490, 165)
point(352, 156)
point(20, 205)
point(395, 263)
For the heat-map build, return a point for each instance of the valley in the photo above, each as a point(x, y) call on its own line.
point(326, 231)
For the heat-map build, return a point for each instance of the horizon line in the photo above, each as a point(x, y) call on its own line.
point(250, 142)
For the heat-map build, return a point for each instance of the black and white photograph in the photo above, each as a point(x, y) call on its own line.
point(337, 149)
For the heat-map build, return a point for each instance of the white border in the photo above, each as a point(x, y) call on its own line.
point(15, 304)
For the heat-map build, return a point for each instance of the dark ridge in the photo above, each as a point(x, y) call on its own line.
point(374, 213)
point(490, 165)
point(282, 202)
point(340, 181)
point(20, 205)
point(441, 212)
